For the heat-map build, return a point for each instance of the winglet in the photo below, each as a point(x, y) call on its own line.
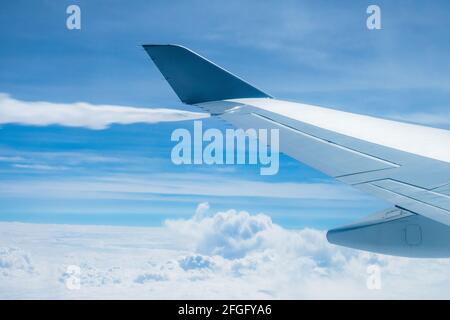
point(196, 79)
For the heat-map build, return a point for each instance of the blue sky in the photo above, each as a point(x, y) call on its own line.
point(317, 52)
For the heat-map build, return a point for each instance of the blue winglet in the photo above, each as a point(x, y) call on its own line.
point(196, 79)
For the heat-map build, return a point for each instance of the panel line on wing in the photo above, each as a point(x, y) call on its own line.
point(361, 172)
point(333, 144)
point(442, 186)
point(409, 197)
point(413, 188)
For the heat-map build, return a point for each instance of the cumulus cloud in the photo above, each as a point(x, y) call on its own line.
point(86, 115)
point(298, 263)
point(202, 208)
point(14, 261)
point(228, 234)
point(196, 262)
point(230, 254)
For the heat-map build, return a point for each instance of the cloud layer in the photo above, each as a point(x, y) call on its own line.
point(81, 114)
point(132, 187)
point(228, 254)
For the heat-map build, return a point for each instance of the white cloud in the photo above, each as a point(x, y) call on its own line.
point(38, 167)
point(14, 261)
point(224, 255)
point(202, 208)
point(228, 234)
point(132, 187)
point(81, 114)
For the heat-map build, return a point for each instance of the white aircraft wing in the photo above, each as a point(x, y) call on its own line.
point(405, 164)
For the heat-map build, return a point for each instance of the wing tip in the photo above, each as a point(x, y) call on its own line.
point(196, 79)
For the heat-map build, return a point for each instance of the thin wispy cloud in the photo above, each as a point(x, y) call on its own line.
point(38, 167)
point(69, 158)
point(138, 187)
point(82, 114)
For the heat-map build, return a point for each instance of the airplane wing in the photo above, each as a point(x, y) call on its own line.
point(405, 164)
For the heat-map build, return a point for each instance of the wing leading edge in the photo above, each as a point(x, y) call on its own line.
point(405, 164)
